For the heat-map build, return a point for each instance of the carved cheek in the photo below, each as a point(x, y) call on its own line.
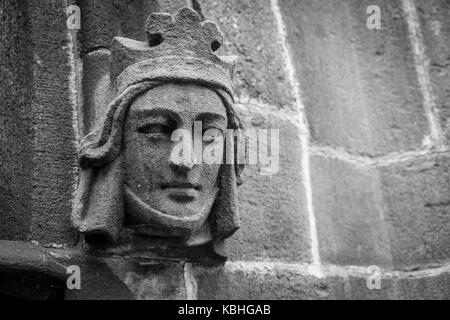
point(209, 175)
point(140, 163)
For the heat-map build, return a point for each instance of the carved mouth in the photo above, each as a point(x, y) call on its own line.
point(182, 192)
point(180, 185)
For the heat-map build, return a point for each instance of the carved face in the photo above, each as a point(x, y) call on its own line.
point(171, 183)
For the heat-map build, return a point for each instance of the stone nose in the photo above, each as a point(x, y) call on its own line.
point(183, 156)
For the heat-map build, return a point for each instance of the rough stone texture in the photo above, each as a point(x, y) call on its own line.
point(361, 94)
point(273, 215)
point(391, 216)
point(235, 282)
point(102, 20)
point(15, 115)
point(98, 24)
point(433, 287)
point(152, 280)
point(359, 86)
point(435, 22)
point(251, 34)
point(294, 282)
point(417, 207)
point(96, 87)
point(28, 272)
point(356, 288)
point(348, 206)
point(125, 279)
point(54, 144)
point(163, 194)
point(27, 257)
point(98, 282)
point(131, 15)
point(37, 136)
point(147, 279)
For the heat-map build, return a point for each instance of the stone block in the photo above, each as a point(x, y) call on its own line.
point(151, 280)
point(273, 215)
point(435, 25)
point(98, 24)
point(394, 216)
point(127, 279)
point(250, 32)
point(53, 158)
point(245, 282)
point(15, 116)
point(359, 86)
point(431, 286)
point(96, 87)
point(357, 288)
point(348, 207)
point(416, 197)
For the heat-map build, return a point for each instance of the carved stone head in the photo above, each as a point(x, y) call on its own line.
point(133, 172)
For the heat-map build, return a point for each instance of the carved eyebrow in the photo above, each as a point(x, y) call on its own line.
point(158, 112)
point(210, 116)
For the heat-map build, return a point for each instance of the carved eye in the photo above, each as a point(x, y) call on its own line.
point(155, 130)
point(210, 135)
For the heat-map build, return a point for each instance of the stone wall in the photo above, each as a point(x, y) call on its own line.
point(364, 123)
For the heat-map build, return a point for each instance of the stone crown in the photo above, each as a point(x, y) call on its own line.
point(179, 47)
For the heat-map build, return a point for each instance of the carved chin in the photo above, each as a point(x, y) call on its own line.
point(147, 220)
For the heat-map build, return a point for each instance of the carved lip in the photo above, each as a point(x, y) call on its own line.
point(180, 185)
point(182, 191)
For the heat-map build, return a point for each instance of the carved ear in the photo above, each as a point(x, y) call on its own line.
point(98, 205)
point(225, 215)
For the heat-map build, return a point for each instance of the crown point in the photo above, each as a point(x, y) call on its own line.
point(188, 14)
point(214, 34)
point(154, 27)
point(177, 45)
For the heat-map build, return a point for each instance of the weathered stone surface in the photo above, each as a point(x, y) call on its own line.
point(435, 22)
point(274, 219)
point(126, 279)
point(97, 281)
point(132, 174)
point(28, 272)
point(169, 6)
point(434, 286)
point(104, 19)
point(130, 17)
point(54, 144)
point(359, 86)
point(241, 282)
point(348, 207)
point(251, 33)
point(27, 257)
point(37, 133)
point(393, 216)
point(417, 207)
point(96, 87)
point(357, 288)
point(152, 280)
point(98, 24)
point(16, 133)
